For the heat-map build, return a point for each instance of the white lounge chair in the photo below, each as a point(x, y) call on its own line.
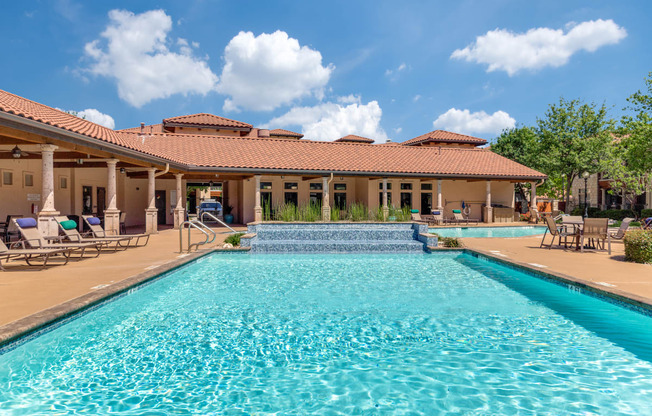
point(99, 232)
point(18, 250)
point(34, 239)
point(69, 229)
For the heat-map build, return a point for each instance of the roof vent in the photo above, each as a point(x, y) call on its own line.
point(263, 133)
point(142, 128)
point(388, 141)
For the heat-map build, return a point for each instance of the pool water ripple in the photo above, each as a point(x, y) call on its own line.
point(339, 334)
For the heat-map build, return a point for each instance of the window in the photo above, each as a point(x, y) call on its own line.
point(380, 199)
point(7, 177)
point(316, 198)
point(339, 187)
point(389, 186)
point(406, 200)
point(316, 186)
point(339, 200)
point(426, 187)
point(291, 198)
point(291, 185)
point(406, 187)
point(266, 185)
point(63, 182)
point(28, 179)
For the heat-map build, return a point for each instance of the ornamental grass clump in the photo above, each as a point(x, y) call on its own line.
point(357, 212)
point(309, 213)
point(234, 239)
point(287, 213)
point(638, 246)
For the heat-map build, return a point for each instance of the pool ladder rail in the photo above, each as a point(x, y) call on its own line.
point(199, 224)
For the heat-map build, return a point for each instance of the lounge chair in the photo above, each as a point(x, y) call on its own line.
point(458, 218)
point(438, 217)
point(29, 254)
point(647, 223)
point(596, 230)
point(34, 239)
point(620, 234)
point(555, 232)
point(534, 215)
point(69, 229)
point(98, 232)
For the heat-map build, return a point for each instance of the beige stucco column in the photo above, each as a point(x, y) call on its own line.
point(151, 213)
point(533, 195)
point(385, 204)
point(440, 206)
point(258, 209)
point(46, 223)
point(488, 210)
point(180, 207)
point(325, 203)
point(111, 214)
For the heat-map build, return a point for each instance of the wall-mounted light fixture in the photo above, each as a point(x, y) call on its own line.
point(123, 170)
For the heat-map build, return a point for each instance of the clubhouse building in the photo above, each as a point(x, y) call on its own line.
point(54, 163)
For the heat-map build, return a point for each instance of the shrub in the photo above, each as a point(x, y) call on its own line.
point(452, 242)
point(614, 214)
point(234, 239)
point(638, 246)
point(645, 213)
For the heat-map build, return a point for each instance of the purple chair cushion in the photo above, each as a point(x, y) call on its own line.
point(93, 221)
point(26, 222)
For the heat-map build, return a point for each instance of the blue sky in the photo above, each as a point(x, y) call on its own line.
point(375, 68)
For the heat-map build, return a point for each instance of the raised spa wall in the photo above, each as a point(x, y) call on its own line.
point(365, 237)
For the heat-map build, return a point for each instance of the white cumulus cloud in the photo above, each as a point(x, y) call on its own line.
point(537, 48)
point(134, 51)
point(330, 121)
point(466, 122)
point(266, 71)
point(97, 117)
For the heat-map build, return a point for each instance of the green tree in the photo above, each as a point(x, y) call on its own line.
point(632, 168)
point(520, 144)
point(574, 137)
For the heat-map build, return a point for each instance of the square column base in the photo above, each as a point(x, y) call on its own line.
point(179, 217)
point(112, 222)
point(47, 225)
point(487, 213)
point(326, 214)
point(258, 214)
point(151, 221)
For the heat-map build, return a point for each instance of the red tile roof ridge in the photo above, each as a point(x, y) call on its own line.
point(284, 132)
point(440, 135)
point(199, 121)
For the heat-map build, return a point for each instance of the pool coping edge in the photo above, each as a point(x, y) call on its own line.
point(28, 325)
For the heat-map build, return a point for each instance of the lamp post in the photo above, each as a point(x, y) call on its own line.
point(586, 175)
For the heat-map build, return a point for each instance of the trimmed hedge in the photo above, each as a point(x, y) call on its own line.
point(638, 246)
point(614, 214)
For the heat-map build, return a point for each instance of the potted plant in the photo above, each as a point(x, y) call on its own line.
point(228, 217)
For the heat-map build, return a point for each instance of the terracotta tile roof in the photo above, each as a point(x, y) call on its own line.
point(251, 154)
point(307, 155)
point(283, 132)
point(14, 104)
point(205, 119)
point(444, 136)
point(352, 138)
point(155, 128)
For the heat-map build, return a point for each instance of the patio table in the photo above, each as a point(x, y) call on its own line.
point(577, 229)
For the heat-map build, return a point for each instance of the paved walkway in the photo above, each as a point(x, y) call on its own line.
point(608, 271)
point(25, 291)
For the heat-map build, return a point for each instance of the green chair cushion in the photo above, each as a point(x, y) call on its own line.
point(415, 211)
point(457, 211)
point(68, 225)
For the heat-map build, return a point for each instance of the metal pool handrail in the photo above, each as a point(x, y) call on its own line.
point(199, 226)
point(215, 219)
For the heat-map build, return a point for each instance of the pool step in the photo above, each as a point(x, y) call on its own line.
point(337, 246)
point(357, 234)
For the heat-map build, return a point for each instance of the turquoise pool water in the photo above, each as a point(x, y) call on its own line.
point(355, 334)
point(485, 232)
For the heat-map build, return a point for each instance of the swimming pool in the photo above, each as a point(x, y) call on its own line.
point(373, 334)
point(485, 232)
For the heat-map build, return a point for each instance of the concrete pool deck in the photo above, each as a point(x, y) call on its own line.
point(29, 297)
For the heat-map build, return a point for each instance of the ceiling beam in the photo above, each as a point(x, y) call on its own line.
point(88, 164)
